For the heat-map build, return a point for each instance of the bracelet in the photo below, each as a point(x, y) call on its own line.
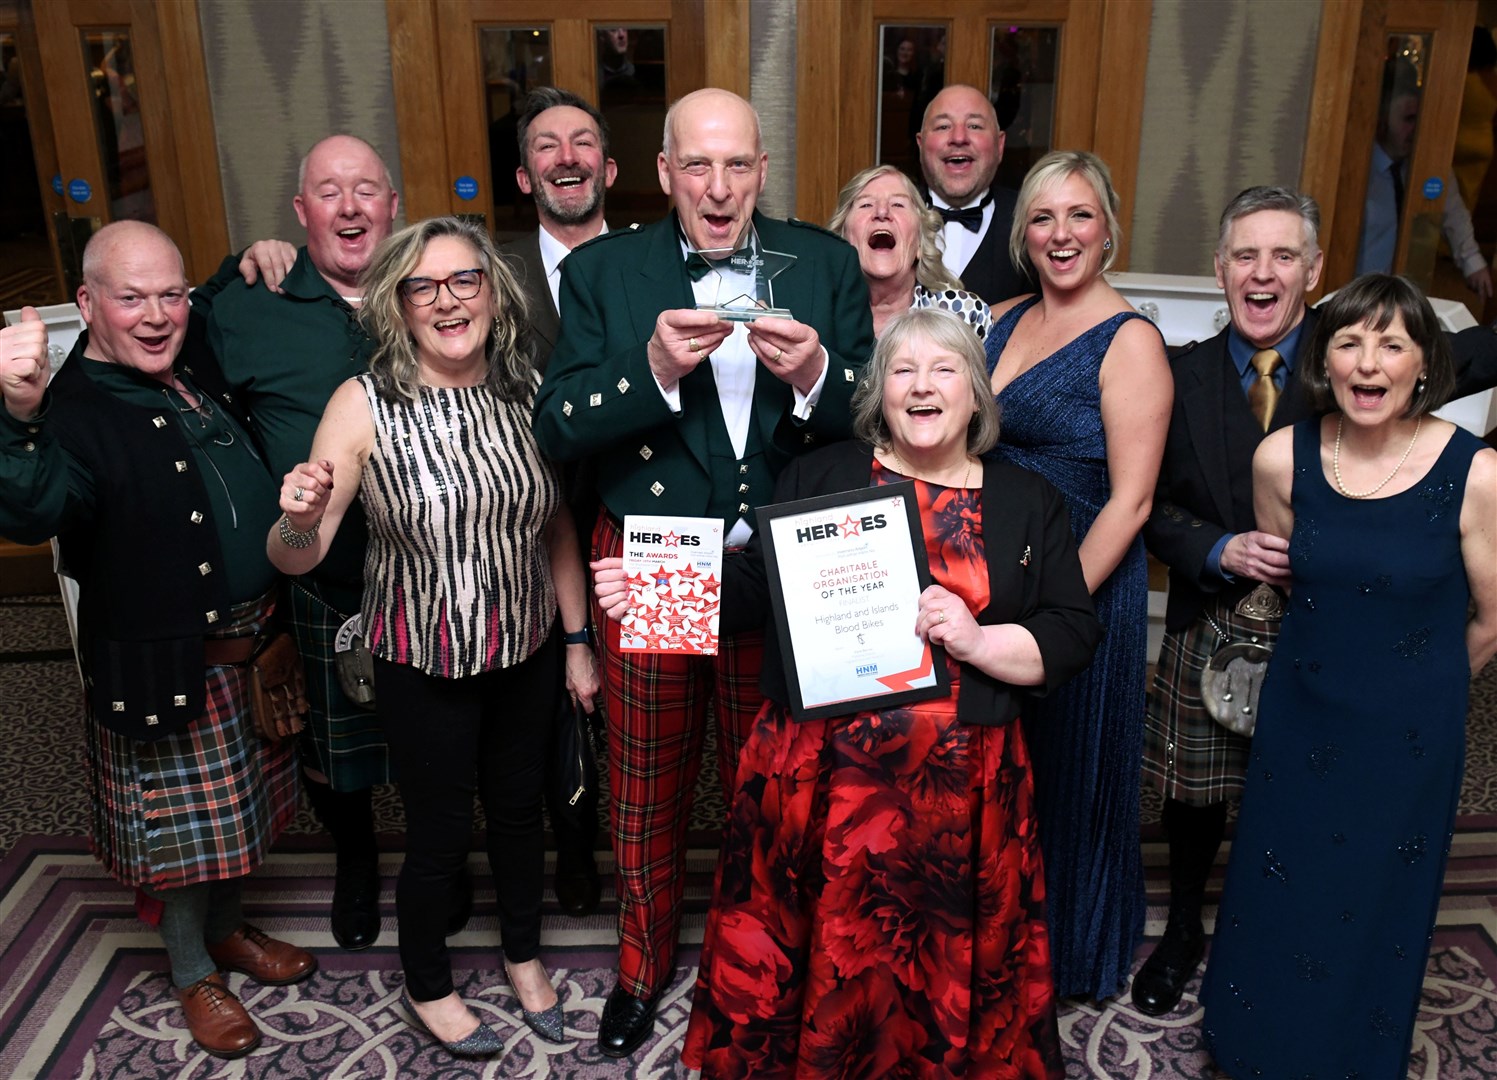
point(577, 637)
point(295, 538)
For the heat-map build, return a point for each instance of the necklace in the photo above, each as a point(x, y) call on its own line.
point(1336, 462)
point(904, 471)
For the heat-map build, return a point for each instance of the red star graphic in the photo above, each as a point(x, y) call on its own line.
point(708, 583)
point(689, 574)
point(851, 526)
point(672, 540)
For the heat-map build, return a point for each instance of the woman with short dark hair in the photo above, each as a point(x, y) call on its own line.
point(1334, 882)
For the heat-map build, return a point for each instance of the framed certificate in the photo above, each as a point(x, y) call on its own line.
point(845, 576)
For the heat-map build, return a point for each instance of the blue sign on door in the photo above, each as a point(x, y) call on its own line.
point(57, 183)
point(1432, 187)
point(79, 190)
point(466, 187)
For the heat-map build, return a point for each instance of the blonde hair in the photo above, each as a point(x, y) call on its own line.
point(930, 271)
point(382, 313)
point(1052, 169)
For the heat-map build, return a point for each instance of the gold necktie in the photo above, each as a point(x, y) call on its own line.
point(1263, 395)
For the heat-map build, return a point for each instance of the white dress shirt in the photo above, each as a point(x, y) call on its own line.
point(553, 254)
point(958, 244)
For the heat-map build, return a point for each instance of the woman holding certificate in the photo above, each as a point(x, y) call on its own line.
point(880, 896)
point(471, 553)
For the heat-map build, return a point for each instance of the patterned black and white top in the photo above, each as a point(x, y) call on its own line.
point(457, 579)
point(959, 302)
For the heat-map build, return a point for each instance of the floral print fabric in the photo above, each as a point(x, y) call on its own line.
point(879, 905)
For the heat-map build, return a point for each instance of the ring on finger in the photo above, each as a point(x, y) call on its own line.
point(298, 494)
point(693, 346)
point(777, 354)
point(940, 616)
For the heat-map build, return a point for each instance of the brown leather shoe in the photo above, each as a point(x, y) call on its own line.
point(217, 1021)
point(252, 952)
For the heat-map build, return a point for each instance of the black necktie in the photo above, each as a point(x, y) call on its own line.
point(970, 218)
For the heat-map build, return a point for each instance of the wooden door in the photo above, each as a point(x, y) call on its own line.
point(462, 67)
point(1042, 63)
point(1429, 40)
point(112, 139)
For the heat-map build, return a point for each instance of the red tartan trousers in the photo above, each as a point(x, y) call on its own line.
point(657, 717)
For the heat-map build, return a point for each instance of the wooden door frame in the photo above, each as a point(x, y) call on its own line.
point(1100, 44)
point(1343, 115)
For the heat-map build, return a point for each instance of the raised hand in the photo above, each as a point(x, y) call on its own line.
point(304, 493)
point(23, 364)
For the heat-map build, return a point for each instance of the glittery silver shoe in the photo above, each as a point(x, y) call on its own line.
point(549, 1025)
point(484, 1042)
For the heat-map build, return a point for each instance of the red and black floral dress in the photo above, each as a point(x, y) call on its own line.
point(879, 908)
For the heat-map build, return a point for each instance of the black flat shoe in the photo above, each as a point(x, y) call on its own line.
point(1159, 984)
point(578, 889)
point(626, 1023)
point(462, 903)
point(355, 915)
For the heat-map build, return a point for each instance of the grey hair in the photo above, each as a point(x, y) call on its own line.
point(1255, 200)
point(947, 332)
point(1051, 169)
point(930, 271)
point(382, 314)
point(670, 118)
point(552, 97)
point(301, 170)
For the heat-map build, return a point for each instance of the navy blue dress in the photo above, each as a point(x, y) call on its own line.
point(1336, 869)
point(1086, 739)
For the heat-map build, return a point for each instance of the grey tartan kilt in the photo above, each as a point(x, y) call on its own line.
point(1188, 756)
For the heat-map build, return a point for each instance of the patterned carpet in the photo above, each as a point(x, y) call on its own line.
point(85, 995)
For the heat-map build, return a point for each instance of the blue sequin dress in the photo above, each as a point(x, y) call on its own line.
point(1086, 739)
point(1336, 869)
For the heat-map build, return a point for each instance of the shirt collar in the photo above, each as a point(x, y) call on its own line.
point(1241, 350)
point(553, 251)
point(975, 200)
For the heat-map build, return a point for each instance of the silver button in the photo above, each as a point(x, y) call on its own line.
point(152, 720)
point(159, 421)
point(743, 508)
point(742, 488)
point(32, 429)
point(28, 446)
point(566, 408)
point(742, 469)
point(657, 488)
point(181, 466)
point(595, 399)
point(848, 376)
point(212, 616)
point(179, 699)
point(646, 453)
point(117, 706)
point(809, 438)
point(196, 517)
point(623, 386)
point(204, 569)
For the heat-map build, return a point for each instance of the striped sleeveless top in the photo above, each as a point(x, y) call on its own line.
point(457, 577)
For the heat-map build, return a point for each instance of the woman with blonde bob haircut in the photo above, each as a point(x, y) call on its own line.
point(882, 214)
point(1086, 394)
point(472, 574)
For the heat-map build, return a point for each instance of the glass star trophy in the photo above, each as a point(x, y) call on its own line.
point(749, 261)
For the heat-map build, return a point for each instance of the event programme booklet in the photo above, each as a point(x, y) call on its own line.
point(845, 576)
point(674, 570)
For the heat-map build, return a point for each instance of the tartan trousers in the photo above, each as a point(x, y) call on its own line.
point(657, 718)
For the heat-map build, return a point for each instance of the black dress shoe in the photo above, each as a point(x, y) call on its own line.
point(1161, 981)
point(462, 903)
point(356, 906)
point(578, 889)
point(626, 1023)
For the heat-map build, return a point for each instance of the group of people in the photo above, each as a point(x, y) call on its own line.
point(917, 884)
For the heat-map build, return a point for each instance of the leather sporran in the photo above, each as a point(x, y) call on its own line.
point(278, 688)
point(1232, 679)
point(354, 663)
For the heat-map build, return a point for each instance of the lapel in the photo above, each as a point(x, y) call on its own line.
point(543, 318)
point(1203, 395)
point(1294, 404)
point(659, 283)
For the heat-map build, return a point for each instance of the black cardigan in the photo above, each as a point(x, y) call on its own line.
point(1021, 512)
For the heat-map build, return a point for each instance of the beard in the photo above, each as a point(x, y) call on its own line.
point(567, 213)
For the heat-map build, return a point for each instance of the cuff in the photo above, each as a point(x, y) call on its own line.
point(1214, 559)
point(805, 403)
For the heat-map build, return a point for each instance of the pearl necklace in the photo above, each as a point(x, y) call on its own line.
point(1336, 462)
point(904, 471)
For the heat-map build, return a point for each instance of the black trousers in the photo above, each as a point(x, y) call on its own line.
point(450, 739)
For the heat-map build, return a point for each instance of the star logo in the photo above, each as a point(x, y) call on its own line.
point(672, 540)
point(851, 526)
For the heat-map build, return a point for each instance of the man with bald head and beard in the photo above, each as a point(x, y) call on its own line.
point(686, 413)
point(284, 350)
point(565, 167)
point(139, 461)
point(961, 147)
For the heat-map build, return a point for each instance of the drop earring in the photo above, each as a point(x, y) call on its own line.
point(1107, 244)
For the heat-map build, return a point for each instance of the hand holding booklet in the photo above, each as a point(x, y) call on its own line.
point(673, 566)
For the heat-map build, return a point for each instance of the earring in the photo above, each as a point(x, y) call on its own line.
point(1419, 386)
point(1107, 244)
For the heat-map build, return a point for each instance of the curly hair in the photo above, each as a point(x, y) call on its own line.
point(930, 271)
point(382, 313)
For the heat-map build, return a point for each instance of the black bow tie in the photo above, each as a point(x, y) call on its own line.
point(698, 265)
point(970, 218)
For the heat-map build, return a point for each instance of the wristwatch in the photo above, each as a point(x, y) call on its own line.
point(577, 637)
